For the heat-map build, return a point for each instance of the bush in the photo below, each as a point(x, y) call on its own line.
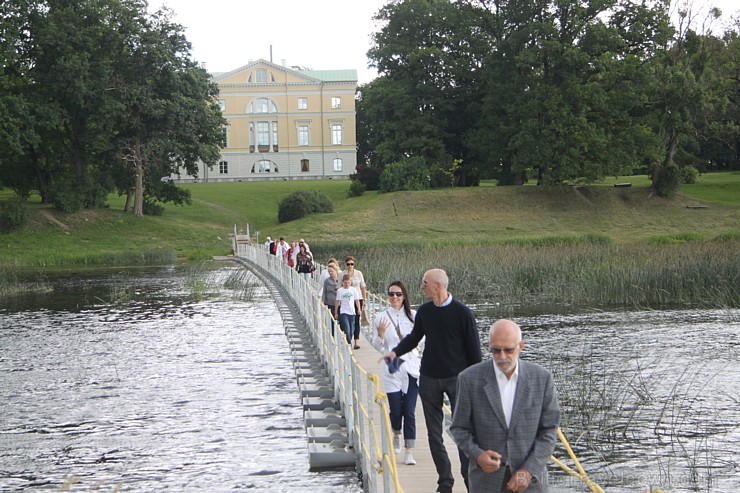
point(408, 174)
point(356, 189)
point(668, 181)
point(302, 203)
point(370, 177)
point(151, 207)
point(71, 195)
point(688, 175)
point(13, 214)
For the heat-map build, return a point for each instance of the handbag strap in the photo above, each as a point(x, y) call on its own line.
point(396, 325)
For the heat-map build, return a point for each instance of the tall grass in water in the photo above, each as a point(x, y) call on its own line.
point(11, 284)
point(202, 282)
point(53, 258)
point(579, 270)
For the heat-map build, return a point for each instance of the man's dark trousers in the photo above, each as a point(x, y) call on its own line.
point(431, 391)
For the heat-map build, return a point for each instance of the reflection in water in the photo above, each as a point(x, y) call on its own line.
point(647, 397)
point(151, 391)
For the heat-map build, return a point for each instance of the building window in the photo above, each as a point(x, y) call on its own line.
point(302, 103)
point(336, 134)
point(261, 75)
point(262, 105)
point(338, 164)
point(263, 133)
point(223, 167)
point(264, 166)
point(336, 103)
point(225, 130)
point(222, 105)
point(304, 165)
point(303, 138)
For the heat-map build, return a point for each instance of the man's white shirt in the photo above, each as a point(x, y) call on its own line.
point(507, 389)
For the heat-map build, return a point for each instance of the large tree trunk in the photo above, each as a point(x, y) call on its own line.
point(139, 170)
point(129, 199)
point(139, 191)
point(670, 152)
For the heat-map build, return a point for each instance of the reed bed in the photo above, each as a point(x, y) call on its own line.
point(12, 284)
point(571, 270)
point(52, 258)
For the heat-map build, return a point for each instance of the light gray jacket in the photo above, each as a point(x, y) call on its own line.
point(479, 424)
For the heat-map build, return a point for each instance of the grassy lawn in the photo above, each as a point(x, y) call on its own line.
point(480, 215)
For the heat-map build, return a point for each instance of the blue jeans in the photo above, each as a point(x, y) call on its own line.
point(347, 323)
point(402, 411)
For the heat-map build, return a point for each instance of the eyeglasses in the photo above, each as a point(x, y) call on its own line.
point(507, 350)
point(395, 293)
point(349, 264)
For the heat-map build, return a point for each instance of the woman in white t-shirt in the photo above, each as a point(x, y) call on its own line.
point(400, 380)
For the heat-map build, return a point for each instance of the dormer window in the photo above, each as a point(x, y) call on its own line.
point(261, 76)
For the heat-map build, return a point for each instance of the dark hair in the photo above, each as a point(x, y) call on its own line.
point(406, 302)
point(348, 258)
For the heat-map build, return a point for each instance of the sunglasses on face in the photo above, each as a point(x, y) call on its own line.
point(349, 264)
point(507, 350)
point(395, 293)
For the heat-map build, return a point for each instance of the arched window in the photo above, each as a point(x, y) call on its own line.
point(264, 166)
point(262, 105)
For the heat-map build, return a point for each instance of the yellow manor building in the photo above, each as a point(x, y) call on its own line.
point(285, 124)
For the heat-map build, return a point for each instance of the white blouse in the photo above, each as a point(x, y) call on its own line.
point(393, 382)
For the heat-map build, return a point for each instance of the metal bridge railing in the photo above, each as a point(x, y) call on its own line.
point(364, 405)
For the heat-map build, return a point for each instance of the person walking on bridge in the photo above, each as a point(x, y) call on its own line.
point(507, 417)
point(452, 344)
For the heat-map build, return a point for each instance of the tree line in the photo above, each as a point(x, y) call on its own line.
point(99, 96)
point(547, 90)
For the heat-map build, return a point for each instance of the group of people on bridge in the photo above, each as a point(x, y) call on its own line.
point(505, 411)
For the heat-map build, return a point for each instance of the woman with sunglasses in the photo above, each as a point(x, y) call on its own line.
point(358, 282)
point(400, 379)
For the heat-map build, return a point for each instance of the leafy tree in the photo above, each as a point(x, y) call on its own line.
point(687, 94)
point(101, 95)
point(170, 115)
point(429, 55)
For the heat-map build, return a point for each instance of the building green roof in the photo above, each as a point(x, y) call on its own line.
point(331, 75)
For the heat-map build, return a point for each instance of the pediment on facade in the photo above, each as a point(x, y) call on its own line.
point(262, 72)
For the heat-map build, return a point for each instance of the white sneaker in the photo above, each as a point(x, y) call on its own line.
point(409, 459)
point(397, 444)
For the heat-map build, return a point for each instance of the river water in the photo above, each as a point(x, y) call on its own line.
point(149, 380)
point(647, 397)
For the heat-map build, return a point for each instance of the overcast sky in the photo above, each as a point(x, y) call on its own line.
point(315, 34)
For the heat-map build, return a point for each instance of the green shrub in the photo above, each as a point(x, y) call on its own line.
point(676, 239)
point(668, 181)
point(72, 194)
point(302, 203)
point(688, 175)
point(408, 174)
point(13, 214)
point(356, 188)
point(152, 208)
point(731, 236)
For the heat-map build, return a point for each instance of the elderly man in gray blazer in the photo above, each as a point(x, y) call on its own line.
point(506, 417)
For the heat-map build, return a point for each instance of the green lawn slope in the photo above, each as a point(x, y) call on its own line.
point(480, 215)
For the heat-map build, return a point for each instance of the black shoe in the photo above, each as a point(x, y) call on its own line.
point(444, 489)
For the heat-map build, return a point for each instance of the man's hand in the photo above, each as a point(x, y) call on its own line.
point(519, 480)
point(489, 461)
